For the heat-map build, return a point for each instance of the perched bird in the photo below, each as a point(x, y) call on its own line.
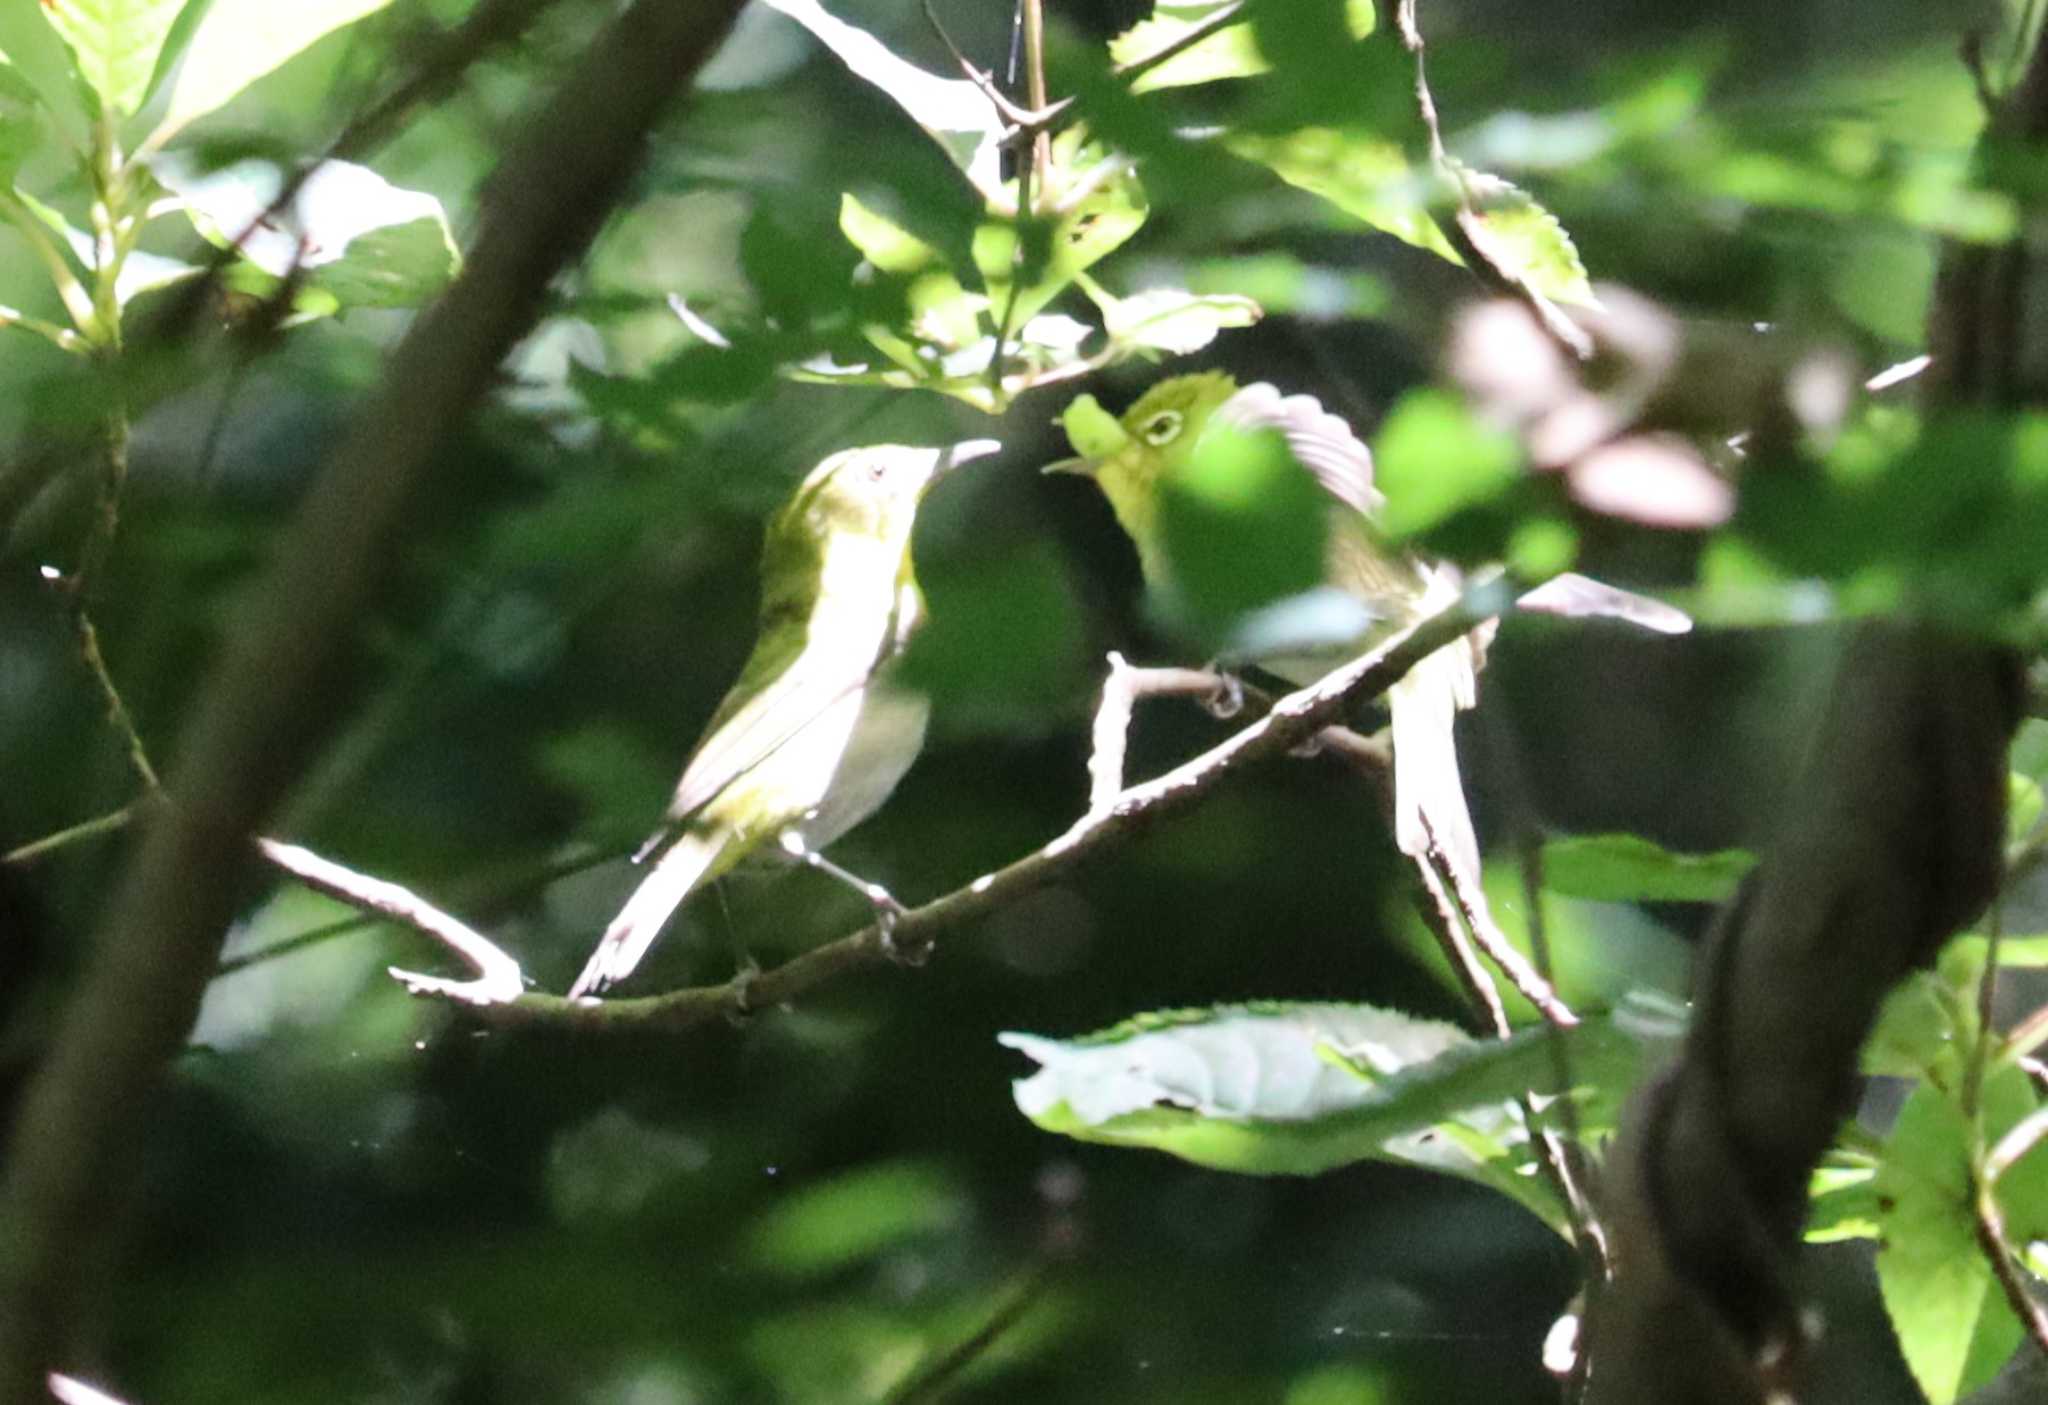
point(1132, 459)
point(815, 734)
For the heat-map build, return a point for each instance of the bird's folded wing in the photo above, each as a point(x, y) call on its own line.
point(789, 681)
point(1320, 441)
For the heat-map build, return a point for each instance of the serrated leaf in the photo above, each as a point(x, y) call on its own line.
point(114, 44)
point(1174, 321)
point(952, 111)
point(237, 42)
point(1953, 1324)
point(1524, 240)
point(1629, 868)
point(348, 233)
point(1295, 1089)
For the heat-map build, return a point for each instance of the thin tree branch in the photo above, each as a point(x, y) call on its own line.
point(1991, 1239)
point(85, 829)
point(1293, 720)
point(272, 696)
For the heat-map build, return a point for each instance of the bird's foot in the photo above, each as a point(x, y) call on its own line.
point(740, 1001)
point(887, 910)
point(1228, 699)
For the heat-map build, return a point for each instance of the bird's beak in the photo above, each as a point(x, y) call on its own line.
point(1081, 464)
point(966, 451)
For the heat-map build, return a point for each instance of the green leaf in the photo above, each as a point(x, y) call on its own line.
point(1525, 241)
point(883, 242)
point(1954, 1327)
point(1365, 175)
point(2023, 807)
point(1052, 253)
point(1916, 1033)
point(1843, 1204)
point(1173, 321)
point(348, 235)
point(1434, 459)
point(855, 1216)
point(1629, 868)
point(22, 119)
point(114, 44)
point(1093, 431)
point(237, 42)
point(1230, 52)
point(140, 271)
point(952, 111)
point(1295, 1089)
point(1244, 526)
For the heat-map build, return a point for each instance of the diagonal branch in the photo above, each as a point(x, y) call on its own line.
point(1293, 720)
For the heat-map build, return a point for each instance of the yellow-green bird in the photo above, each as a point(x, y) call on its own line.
point(817, 731)
point(1132, 458)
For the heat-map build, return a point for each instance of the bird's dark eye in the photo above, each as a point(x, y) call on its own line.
point(1161, 428)
point(878, 470)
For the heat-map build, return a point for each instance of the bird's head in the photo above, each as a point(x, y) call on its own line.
point(871, 493)
point(1128, 455)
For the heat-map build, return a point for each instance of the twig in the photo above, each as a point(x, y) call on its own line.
point(1467, 227)
point(1990, 1224)
point(498, 976)
point(1987, 995)
point(118, 716)
point(1208, 25)
point(1527, 981)
point(85, 829)
point(1440, 915)
point(930, 1382)
point(1293, 720)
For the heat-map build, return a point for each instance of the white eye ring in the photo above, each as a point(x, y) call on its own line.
point(1162, 428)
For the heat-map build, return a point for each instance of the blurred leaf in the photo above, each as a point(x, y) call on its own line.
point(1432, 459)
point(823, 1228)
point(1230, 52)
point(1003, 650)
point(1843, 1204)
point(1629, 868)
point(952, 111)
point(348, 232)
point(611, 1165)
point(1043, 257)
point(1954, 1326)
point(1173, 321)
point(1916, 1034)
point(23, 119)
point(1244, 525)
point(114, 44)
point(885, 244)
point(1093, 431)
point(141, 271)
point(2022, 807)
point(237, 42)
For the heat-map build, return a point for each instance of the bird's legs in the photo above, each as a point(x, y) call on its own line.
point(887, 909)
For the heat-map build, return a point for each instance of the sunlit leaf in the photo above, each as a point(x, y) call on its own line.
point(238, 41)
point(114, 44)
point(1230, 52)
point(1524, 240)
point(883, 242)
point(1173, 321)
point(952, 111)
point(1954, 1326)
point(1294, 1089)
point(1244, 526)
point(348, 232)
point(1366, 176)
point(1629, 868)
point(1843, 1205)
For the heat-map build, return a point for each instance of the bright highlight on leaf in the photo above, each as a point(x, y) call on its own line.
point(237, 42)
point(114, 45)
point(1433, 460)
point(1629, 868)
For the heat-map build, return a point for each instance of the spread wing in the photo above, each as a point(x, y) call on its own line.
point(1319, 440)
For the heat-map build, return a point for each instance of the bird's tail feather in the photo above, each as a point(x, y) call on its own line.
point(684, 865)
point(1429, 796)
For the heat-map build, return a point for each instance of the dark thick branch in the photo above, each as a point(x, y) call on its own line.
point(269, 701)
